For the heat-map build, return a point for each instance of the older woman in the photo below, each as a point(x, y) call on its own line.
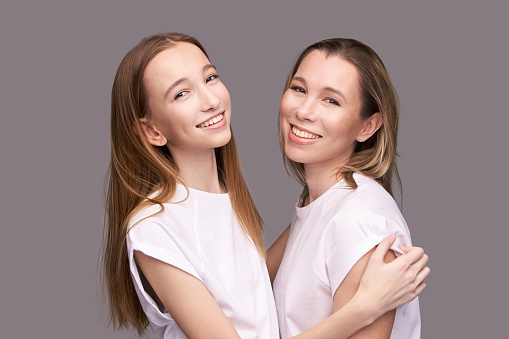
point(338, 128)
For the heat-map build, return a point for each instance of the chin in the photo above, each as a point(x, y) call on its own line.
point(224, 140)
point(295, 155)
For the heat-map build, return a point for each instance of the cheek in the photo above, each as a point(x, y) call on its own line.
point(282, 126)
point(284, 113)
point(223, 93)
point(286, 105)
point(180, 120)
point(342, 133)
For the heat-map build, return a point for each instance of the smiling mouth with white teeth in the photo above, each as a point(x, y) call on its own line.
point(305, 135)
point(212, 121)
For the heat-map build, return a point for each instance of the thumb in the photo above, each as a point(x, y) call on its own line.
point(383, 247)
point(405, 249)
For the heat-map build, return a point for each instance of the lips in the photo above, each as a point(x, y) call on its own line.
point(212, 121)
point(301, 133)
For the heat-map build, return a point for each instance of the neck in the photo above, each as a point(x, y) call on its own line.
point(198, 168)
point(322, 176)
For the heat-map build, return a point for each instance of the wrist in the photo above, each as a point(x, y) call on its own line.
point(365, 309)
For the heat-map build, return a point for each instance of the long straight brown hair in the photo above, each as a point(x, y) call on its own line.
point(138, 169)
point(375, 157)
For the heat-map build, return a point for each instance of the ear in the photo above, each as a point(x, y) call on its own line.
point(371, 125)
point(153, 135)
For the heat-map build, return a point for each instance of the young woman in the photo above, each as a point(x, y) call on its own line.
point(338, 128)
point(184, 248)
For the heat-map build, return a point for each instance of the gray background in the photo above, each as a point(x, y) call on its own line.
point(448, 61)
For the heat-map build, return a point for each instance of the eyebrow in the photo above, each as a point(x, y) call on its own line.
point(181, 80)
point(327, 88)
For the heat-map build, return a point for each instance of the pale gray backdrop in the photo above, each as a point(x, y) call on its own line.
point(447, 59)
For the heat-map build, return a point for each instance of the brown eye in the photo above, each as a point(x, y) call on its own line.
point(298, 89)
point(332, 101)
point(180, 95)
point(212, 77)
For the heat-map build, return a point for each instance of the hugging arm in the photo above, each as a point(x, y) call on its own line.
point(186, 299)
point(381, 288)
point(381, 328)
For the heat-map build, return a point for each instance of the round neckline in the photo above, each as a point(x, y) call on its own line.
point(195, 191)
point(315, 202)
point(340, 184)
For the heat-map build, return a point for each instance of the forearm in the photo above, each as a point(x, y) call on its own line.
point(353, 311)
point(343, 323)
point(385, 287)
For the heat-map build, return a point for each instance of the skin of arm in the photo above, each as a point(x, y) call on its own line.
point(383, 287)
point(186, 298)
point(274, 254)
point(380, 328)
point(198, 315)
point(350, 318)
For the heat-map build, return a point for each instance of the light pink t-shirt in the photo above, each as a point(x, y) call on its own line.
point(327, 238)
point(202, 237)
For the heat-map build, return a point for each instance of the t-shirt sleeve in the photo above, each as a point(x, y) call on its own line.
point(165, 244)
point(349, 236)
point(172, 245)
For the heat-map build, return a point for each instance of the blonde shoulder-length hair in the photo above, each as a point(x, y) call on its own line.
point(375, 157)
point(138, 169)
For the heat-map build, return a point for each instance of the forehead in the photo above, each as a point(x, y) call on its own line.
point(328, 71)
point(183, 60)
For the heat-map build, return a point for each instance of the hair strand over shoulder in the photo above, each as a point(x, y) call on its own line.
point(138, 169)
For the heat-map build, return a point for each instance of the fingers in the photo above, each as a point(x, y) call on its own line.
point(419, 281)
point(423, 274)
point(418, 290)
point(383, 247)
point(412, 255)
point(420, 264)
point(405, 248)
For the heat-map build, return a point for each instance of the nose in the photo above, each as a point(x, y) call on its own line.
point(306, 110)
point(209, 100)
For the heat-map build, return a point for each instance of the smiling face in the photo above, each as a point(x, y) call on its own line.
point(320, 112)
point(189, 107)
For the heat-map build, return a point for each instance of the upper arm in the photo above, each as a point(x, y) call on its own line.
point(380, 328)
point(275, 253)
point(186, 298)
